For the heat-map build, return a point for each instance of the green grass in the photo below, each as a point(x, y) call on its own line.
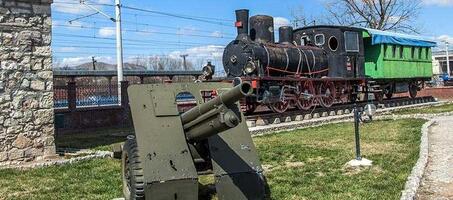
point(100, 140)
point(303, 164)
point(448, 107)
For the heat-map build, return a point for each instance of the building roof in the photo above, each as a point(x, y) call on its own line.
point(387, 37)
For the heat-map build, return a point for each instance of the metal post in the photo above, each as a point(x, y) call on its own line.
point(448, 59)
point(119, 47)
point(357, 132)
point(184, 60)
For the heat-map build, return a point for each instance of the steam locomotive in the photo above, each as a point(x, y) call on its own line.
point(322, 65)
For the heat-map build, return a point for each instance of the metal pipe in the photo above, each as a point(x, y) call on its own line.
point(242, 23)
point(227, 98)
point(357, 132)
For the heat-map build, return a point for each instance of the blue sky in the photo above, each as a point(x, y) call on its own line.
point(148, 34)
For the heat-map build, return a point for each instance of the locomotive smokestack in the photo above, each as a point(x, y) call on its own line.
point(242, 24)
point(285, 34)
point(262, 29)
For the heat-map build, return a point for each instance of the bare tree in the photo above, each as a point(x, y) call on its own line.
point(396, 15)
point(300, 18)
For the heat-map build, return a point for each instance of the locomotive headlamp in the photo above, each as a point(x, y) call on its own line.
point(249, 68)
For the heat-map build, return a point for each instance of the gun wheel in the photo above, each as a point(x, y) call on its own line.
point(132, 172)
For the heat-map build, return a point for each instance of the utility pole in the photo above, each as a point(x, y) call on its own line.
point(184, 61)
point(119, 47)
point(94, 62)
point(448, 59)
point(119, 38)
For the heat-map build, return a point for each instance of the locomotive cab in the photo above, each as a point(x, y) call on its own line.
point(344, 46)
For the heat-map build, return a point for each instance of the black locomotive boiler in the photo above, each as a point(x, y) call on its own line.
point(291, 73)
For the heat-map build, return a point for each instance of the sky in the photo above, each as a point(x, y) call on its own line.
point(199, 28)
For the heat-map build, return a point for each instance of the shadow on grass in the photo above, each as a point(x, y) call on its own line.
point(94, 139)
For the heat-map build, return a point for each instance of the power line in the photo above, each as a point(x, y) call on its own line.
point(141, 31)
point(187, 17)
point(133, 40)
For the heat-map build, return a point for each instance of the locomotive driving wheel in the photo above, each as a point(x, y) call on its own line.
point(280, 106)
point(132, 171)
point(327, 93)
point(306, 99)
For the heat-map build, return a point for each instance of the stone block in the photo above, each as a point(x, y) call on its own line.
point(324, 114)
point(316, 115)
point(339, 112)
point(16, 154)
point(288, 119)
point(332, 113)
point(307, 116)
point(22, 142)
point(38, 85)
point(277, 121)
point(298, 118)
point(251, 123)
point(3, 156)
point(261, 122)
point(41, 9)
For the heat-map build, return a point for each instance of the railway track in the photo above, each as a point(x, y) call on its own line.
point(264, 118)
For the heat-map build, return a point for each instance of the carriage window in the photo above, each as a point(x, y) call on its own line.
point(420, 53)
point(427, 54)
point(351, 41)
point(319, 39)
point(393, 51)
point(412, 52)
point(333, 43)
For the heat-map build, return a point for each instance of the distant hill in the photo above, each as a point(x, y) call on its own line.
point(106, 66)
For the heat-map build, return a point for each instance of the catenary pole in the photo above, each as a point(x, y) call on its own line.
point(448, 59)
point(119, 47)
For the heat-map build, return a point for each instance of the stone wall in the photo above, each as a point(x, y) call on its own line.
point(26, 97)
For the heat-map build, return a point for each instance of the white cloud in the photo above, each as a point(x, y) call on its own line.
point(441, 42)
point(438, 2)
point(107, 31)
point(188, 30)
point(67, 49)
point(207, 52)
point(279, 22)
point(217, 34)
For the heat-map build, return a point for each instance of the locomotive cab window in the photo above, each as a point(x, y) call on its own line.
point(351, 41)
point(304, 40)
point(333, 43)
point(319, 39)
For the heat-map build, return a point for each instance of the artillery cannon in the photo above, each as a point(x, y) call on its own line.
point(169, 149)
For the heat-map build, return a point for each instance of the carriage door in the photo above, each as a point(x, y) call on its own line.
point(352, 51)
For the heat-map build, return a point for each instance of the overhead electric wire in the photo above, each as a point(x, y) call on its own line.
point(151, 32)
point(187, 17)
point(132, 40)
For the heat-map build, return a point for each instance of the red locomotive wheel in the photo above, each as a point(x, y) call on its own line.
point(327, 93)
point(279, 107)
point(305, 101)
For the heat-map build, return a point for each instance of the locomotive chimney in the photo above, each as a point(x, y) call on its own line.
point(262, 29)
point(242, 24)
point(285, 34)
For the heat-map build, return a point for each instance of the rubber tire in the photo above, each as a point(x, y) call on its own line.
point(136, 191)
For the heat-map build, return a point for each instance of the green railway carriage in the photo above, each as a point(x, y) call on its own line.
point(396, 61)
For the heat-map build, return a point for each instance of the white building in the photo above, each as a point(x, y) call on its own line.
point(440, 62)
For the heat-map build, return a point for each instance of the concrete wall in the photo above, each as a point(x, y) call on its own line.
point(26, 97)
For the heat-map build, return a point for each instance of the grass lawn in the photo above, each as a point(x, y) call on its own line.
point(448, 107)
point(302, 164)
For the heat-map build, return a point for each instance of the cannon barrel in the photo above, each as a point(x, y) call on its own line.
point(215, 115)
